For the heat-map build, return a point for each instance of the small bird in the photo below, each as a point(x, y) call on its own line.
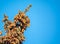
point(0, 33)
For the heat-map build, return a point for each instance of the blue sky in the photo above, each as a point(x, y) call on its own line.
point(44, 19)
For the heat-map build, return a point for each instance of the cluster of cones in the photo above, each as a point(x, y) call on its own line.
point(14, 30)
